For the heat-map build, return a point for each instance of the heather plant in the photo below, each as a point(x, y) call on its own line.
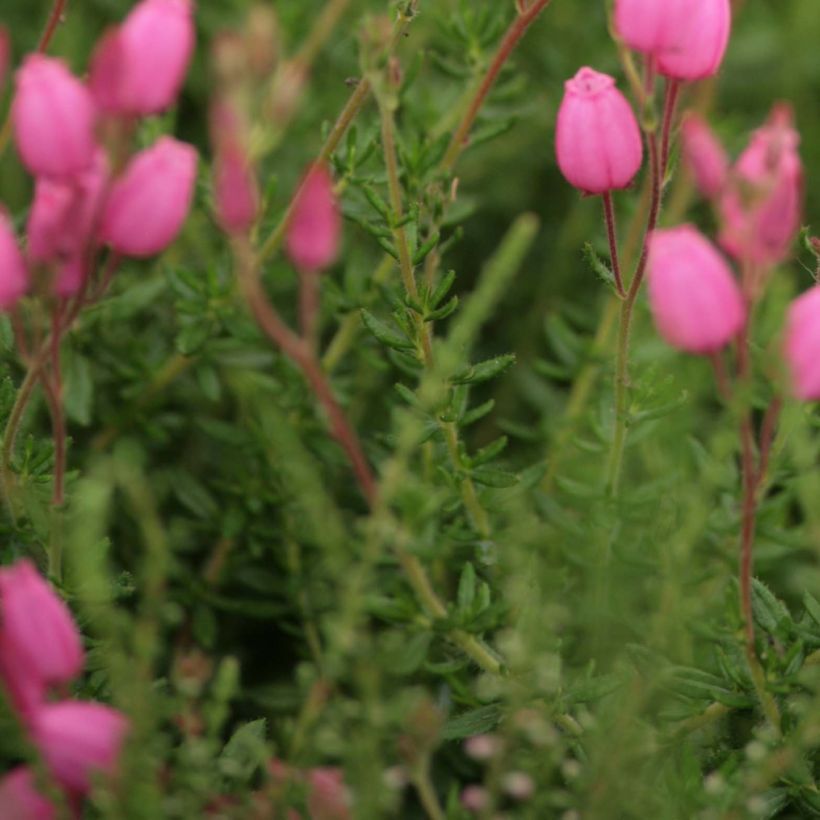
point(409, 409)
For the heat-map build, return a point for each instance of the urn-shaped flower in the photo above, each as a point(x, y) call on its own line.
point(704, 155)
point(597, 138)
point(696, 303)
point(13, 272)
point(315, 226)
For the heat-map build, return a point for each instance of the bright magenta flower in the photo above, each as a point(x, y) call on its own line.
point(149, 203)
point(20, 800)
point(597, 139)
point(802, 345)
point(13, 272)
point(761, 208)
point(140, 67)
point(704, 155)
point(39, 642)
point(315, 227)
point(54, 117)
point(78, 739)
point(695, 301)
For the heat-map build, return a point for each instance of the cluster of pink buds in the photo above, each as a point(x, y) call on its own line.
point(40, 653)
point(84, 199)
point(698, 304)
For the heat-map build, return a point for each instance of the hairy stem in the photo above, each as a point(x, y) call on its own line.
point(518, 28)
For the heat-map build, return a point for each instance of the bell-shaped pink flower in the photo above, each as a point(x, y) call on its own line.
point(701, 41)
point(704, 155)
point(78, 739)
point(761, 208)
point(328, 797)
point(597, 139)
point(139, 68)
point(65, 212)
point(149, 203)
point(650, 26)
point(20, 800)
point(54, 117)
point(315, 226)
point(696, 303)
point(802, 345)
point(13, 272)
point(39, 642)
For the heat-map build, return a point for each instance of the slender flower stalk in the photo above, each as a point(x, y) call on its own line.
point(612, 236)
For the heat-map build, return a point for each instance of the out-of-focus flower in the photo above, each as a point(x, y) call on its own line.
point(704, 155)
point(20, 800)
point(13, 272)
point(695, 301)
point(802, 345)
point(39, 642)
point(149, 203)
point(54, 116)
point(315, 226)
point(701, 42)
point(760, 209)
point(139, 68)
point(597, 140)
point(328, 797)
point(78, 739)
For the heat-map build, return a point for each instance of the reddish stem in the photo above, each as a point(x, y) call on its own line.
point(299, 351)
point(55, 17)
point(767, 433)
point(612, 235)
point(518, 28)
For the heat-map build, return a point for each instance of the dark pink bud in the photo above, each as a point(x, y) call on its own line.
point(78, 740)
point(328, 797)
point(54, 118)
point(597, 138)
point(149, 203)
point(315, 227)
point(20, 800)
point(13, 272)
point(140, 67)
point(695, 301)
point(39, 642)
point(701, 42)
point(704, 155)
point(761, 208)
point(802, 345)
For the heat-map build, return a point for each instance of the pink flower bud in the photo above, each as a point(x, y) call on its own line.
point(597, 139)
point(39, 643)
point(140, 67)
point(315, 226)
point(20, 800)
point(695, 300)
point(328, 798)
point(701, 41)
point(62, 221)
point(704, 155)
point(802, 345)
point(237, 198)
point(78, 740)
point(687, 38)
point(13, 273)
point(54, 117)
point(149, 203)
point(761, 208)
point(649, 26)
